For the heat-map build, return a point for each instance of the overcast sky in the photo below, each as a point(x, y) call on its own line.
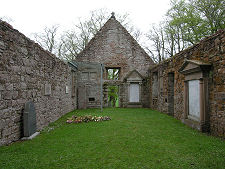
point(29, 16)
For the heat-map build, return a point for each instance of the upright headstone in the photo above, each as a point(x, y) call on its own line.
point(29, 119)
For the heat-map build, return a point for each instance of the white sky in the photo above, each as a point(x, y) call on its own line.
point(29, 16)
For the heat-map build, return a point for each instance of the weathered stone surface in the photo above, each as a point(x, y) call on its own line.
point(114, 47)
point(48, 89)
point(208, 50)
point(9, 86)
point(23, 85)
point(29, 119)
point(2, 87)
point(88, 87)
point(24, 69)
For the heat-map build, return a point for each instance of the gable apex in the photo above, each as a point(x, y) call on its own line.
point(113, 15)
point(190, 66)
point(134, 75)
point(111, 26)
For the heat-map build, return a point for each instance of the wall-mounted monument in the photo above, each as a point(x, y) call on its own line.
point(196, 94)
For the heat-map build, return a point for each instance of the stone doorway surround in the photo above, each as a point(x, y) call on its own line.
point(134, 81)
point(196, 80)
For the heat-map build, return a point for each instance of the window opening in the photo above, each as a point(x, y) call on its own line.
point(113, 73)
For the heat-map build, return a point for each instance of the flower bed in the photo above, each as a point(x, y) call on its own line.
point(86, 119)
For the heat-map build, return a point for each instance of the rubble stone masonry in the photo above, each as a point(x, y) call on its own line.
point(210, 50)
point(29, 73)
point(114, 47)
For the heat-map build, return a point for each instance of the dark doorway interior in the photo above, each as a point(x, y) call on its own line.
point(171, 94)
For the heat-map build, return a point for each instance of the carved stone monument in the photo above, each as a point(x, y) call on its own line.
point(29, 121)
point(196, 94)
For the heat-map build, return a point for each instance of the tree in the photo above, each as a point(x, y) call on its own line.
point(197, 18)
point(73, 41)
point(76, 39)
point(212, 11)
point(6, 19)
point(156, 36)
point(47, 38)
point(186, 23)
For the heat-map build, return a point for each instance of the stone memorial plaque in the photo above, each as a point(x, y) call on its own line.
point(134, 93)
point(194, 100)
point(48, 90)
point(29, 119)
point(67, 89)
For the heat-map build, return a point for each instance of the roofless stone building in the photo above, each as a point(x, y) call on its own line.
point(189, 86)
point(125, 65)
point(29, 73)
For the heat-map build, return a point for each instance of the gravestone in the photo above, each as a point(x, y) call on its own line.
point(29, 119)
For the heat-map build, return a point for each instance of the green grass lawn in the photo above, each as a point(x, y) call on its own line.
point(134, 138)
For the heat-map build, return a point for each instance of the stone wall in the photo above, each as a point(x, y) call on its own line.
point(88, 85)
point(26, 72)
point(114, 47)
point(210, 50)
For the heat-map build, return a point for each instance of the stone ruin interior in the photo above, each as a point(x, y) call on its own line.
point(112, 71)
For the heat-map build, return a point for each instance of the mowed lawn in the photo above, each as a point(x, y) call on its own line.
point(134, 138)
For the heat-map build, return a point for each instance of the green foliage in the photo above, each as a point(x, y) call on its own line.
point(113, 74)
point(186, 23)
point(113, 91)
point(113, 95)
point(69, 43)
point(134, 138)
point(196, 19)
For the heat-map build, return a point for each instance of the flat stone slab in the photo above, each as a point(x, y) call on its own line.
point(29, 119)
point(31, 137)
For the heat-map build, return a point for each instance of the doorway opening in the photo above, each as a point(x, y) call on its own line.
point(113, 96)
point(171, 94)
